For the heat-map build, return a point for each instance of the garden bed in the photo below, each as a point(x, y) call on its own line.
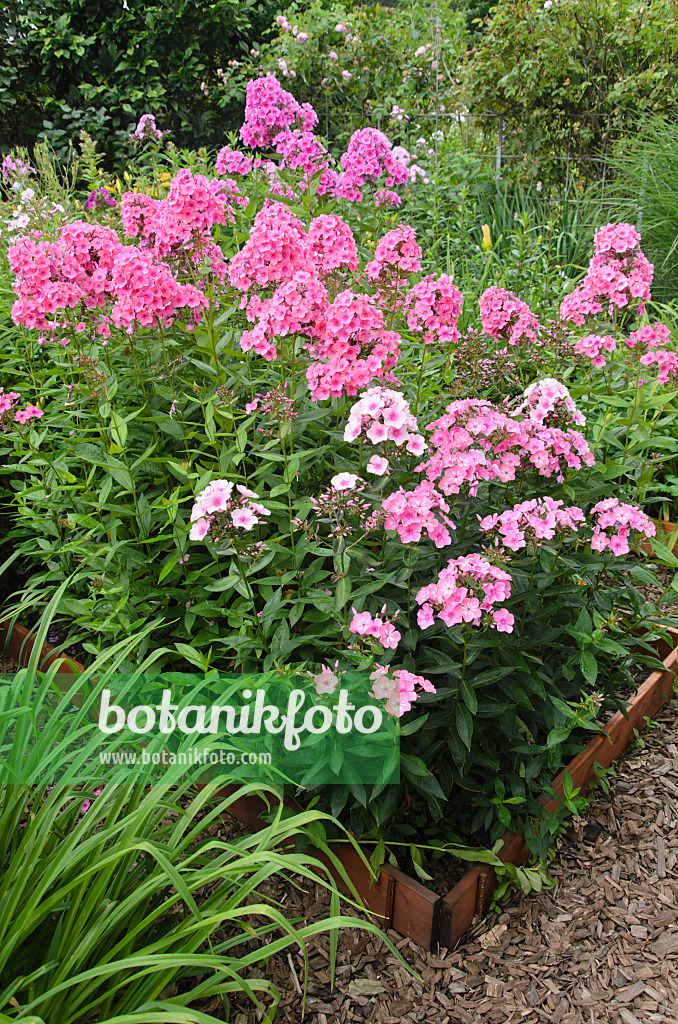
point(397, 900)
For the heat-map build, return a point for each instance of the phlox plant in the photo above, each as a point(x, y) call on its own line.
point(273, 433)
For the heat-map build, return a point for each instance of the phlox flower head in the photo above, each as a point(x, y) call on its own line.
point(421, 510)
point(31, 412)
point(476, 442)
point(368, 157)
point(270, 110)
point(504, 316)
point(397, 256)
point(619, 275)
point(594, 347)
point(356, 345)
point(232, 161)
point(8, 399)
point(467, 591)
point(548, 402)
point(379, 629)
point(147, 130)
point(302, 150)
point(222, 510)
point(532, 521)
point(433, 309)
point(613, 522)
point(383, 415)
point(278, 246)
point(398, 688)
point(332, 245)
point(388, 197)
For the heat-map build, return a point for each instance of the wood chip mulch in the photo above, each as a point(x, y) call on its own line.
point(600, 948)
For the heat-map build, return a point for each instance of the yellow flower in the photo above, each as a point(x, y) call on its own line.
point(487, 238)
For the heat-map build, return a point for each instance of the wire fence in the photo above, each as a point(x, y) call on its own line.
point(475, 141)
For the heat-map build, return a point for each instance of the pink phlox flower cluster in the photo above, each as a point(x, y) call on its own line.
point(233, 161)
point(296, 305)
point(15, 167)
point(326, 681)
point(539, 519)
point(75, 269)
point(397, 255)
point(648, 341)
point(353, 323)
point(270, 110)
point(398, 688)
point(9, 412)
point(31, 412)
point(616, 240)
point(384, 415)
point(147, 130)
point(332, 244)
point(433, 308)
point(343, 375)
point(614, 515)
point(356, 345)
point(368, 157)
point(146, 293)
point(387, 196)
point(221, 507)
point(593, 346)
point(8, 400)
point(411, 513)
point(504, 316)
point(548, 402)
point(474, 441)
point(184, 219)
point(278, 246)
point(302, 150)
point(649, 336)
point(665, 361)
point(379, 628)
point(547, 446)
point(258, 340)
point(467, 590)
point(618, 274)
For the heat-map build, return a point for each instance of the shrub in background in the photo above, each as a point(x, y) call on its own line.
point(572, 75)
point(69, 65)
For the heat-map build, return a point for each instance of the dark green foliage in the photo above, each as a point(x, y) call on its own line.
point(68, 65)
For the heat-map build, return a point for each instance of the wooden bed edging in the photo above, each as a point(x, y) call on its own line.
point(401, 902)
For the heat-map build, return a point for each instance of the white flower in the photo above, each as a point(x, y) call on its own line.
point(344, 481)
point(377, 465)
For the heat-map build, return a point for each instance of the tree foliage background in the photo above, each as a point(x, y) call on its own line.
point(68, 65)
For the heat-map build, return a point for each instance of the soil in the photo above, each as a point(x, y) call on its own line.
point(601, 947)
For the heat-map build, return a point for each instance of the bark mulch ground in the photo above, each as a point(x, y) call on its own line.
point(600, 947)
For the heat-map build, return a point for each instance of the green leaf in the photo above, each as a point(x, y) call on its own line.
point(342, 593)
point(589, 666)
